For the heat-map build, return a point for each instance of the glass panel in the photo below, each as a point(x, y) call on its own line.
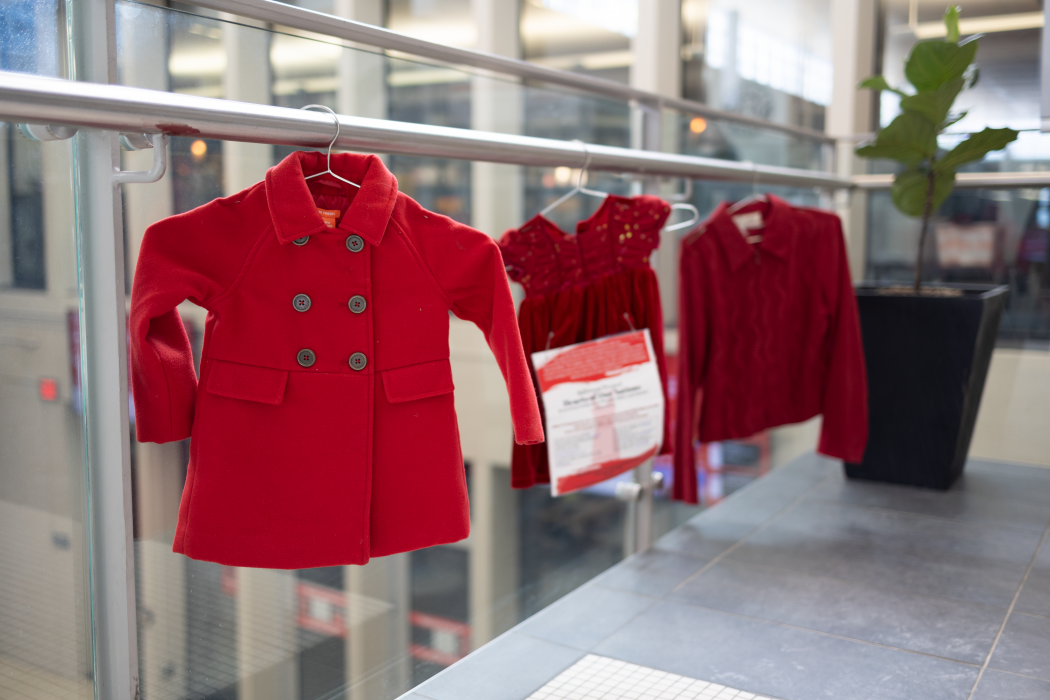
point(375, 631)
point(45, 613)
point(769, 59)
point(983, 236)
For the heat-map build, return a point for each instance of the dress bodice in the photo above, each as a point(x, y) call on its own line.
point(620, 235)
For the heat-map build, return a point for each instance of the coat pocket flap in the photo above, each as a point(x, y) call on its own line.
point(418, 381)
point(247, 382)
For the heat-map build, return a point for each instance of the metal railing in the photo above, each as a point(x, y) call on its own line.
point(329, 25)
point(25, 98)
point(990, 181)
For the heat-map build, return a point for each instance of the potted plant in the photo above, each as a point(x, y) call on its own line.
point(927, 348)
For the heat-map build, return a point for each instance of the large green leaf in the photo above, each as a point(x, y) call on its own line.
point(908, 139)
point(934, 63)
point(934, 104)
point(911, 187)
point(977, 146)
point(951, 22)
point(877, 82)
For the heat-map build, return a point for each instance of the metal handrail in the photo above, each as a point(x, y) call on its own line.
point(329, 25)
point(28, 98)
point(989, 181)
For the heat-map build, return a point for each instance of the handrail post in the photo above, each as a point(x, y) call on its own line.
point(105, 369)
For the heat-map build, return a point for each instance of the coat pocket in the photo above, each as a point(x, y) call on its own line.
point(418, 381)
point(247, 382)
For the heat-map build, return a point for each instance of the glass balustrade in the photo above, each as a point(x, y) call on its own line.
point(211, 631)
point(45, 597)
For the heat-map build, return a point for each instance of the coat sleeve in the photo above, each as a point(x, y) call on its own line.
point(692, 343)
point(469, 268)
point(194, 256)
point(844, 433)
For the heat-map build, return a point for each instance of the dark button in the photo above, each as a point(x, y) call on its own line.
point(307, 358)
point(301, 241)
point(355, 243)
point(300, 302)
point(358, 303)
point(358, 360)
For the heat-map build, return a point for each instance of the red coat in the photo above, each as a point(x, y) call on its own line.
point(768, 335)
point(324, 430)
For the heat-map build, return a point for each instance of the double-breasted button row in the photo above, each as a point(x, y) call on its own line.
point(357, 303)
point(306, 358)
point(354, 243)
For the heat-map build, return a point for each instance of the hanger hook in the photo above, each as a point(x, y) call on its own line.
point(336, 118)
point(754, 180)
point(586, 163)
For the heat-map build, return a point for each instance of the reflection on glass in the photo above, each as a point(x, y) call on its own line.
point(210, 631)
point(45, 611)
point(45, 616)
point(979, 236)
point(767, 58)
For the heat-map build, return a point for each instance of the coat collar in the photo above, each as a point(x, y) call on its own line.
point(292, 206)
point(776, 236)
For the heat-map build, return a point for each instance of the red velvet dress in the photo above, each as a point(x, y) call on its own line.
point(585, 286)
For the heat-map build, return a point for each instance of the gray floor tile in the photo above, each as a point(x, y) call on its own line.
point(781, 661)
point(810, 465)
point(1010, 481)
point(586, 616)
point(716, 529)
point(961, 503)
point(1035, 597)
point(956, 630)
point(995, 685)
point(1032, 471)
point(653, 572)
point(709, 538)
point(881, 564)
point(510, 668)
point(1024, 647)
point(906, 530)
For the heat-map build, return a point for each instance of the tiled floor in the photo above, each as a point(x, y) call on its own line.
point(805, 586)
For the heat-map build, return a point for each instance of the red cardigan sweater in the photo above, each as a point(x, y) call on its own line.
point(768, 335)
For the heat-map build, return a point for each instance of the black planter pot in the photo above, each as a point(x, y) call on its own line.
point(927, 359)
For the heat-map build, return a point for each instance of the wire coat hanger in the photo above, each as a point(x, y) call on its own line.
point(579, 188)
point(755, 195)
point(331, 143)
point(683, 206)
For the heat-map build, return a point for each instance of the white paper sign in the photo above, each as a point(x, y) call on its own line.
point(604, 405)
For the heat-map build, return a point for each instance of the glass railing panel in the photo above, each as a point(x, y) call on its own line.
point(208, 630)
point(987, 236)
point(45, 596)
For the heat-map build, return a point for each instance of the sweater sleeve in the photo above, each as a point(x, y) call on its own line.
point(194, 256)
point(844, 433)
point(468, 266)
point(692, 344)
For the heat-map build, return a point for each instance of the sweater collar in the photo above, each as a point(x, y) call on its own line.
point(294, 212)
point(776, 235)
